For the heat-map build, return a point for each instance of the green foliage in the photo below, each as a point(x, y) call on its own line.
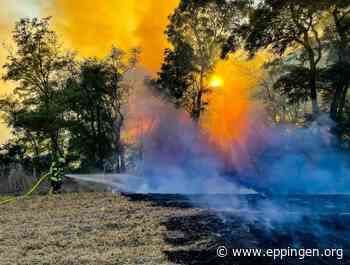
point(177, 76)
point(337, 33)
point(61, 106)
point(94, 98)
point(312, 44)
point(38, 67)
point(293, 84)
point(88, 112)
point(280, 25)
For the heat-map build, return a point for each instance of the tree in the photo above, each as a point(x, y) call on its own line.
point(118, 67)
point(198, 32)
point(338, 36)
point(95, 97)
point(38, 67)
point(177, 76)
point(289, 25)
point(61, 104)
point(88, 116)
point(284, 90)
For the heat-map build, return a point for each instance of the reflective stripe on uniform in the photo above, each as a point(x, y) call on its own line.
point(56, 177)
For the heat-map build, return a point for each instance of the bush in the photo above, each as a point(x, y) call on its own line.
point(18, 180)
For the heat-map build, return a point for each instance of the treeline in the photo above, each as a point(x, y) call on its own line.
point(63, 106)
point(308, 43)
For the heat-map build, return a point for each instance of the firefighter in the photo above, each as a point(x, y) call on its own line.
point(56, 174)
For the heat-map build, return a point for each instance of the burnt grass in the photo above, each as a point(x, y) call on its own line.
point(110, 229)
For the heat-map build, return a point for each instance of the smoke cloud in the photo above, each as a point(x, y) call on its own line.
point(303, 160)
point(176, 156)
point(92, 28)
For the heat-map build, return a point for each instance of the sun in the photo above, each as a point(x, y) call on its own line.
point(216, 81)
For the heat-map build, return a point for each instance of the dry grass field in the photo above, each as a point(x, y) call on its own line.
point(85, 229)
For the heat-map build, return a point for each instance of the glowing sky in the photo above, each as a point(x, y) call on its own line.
point(10, 11)
point(91, 27)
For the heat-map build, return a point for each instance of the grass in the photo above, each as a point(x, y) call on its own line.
point(101, 228)
point(84, 229)
point(3, 198)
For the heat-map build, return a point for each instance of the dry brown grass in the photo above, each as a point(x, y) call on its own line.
point(84, 229)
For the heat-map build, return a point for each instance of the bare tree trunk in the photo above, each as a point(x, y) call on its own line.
point(198, 103)
point(118, 121)
point(120, 152)
point(341, 87)
point(334, 110)
point(313, 83)
point(342, 103)
point(36, 154)
point(54, 144)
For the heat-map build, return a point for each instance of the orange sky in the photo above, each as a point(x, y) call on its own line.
point(11, 11)
point(91, 27)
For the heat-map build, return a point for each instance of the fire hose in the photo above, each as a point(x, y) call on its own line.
point(28, 194)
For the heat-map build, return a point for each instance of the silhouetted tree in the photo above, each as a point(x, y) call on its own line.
point(198, 32)
point(119, 66)
point(88, 116)
point(95, 98)
point(291, 24)
point(177, 76)
point(337, 35)
point(38, 67)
